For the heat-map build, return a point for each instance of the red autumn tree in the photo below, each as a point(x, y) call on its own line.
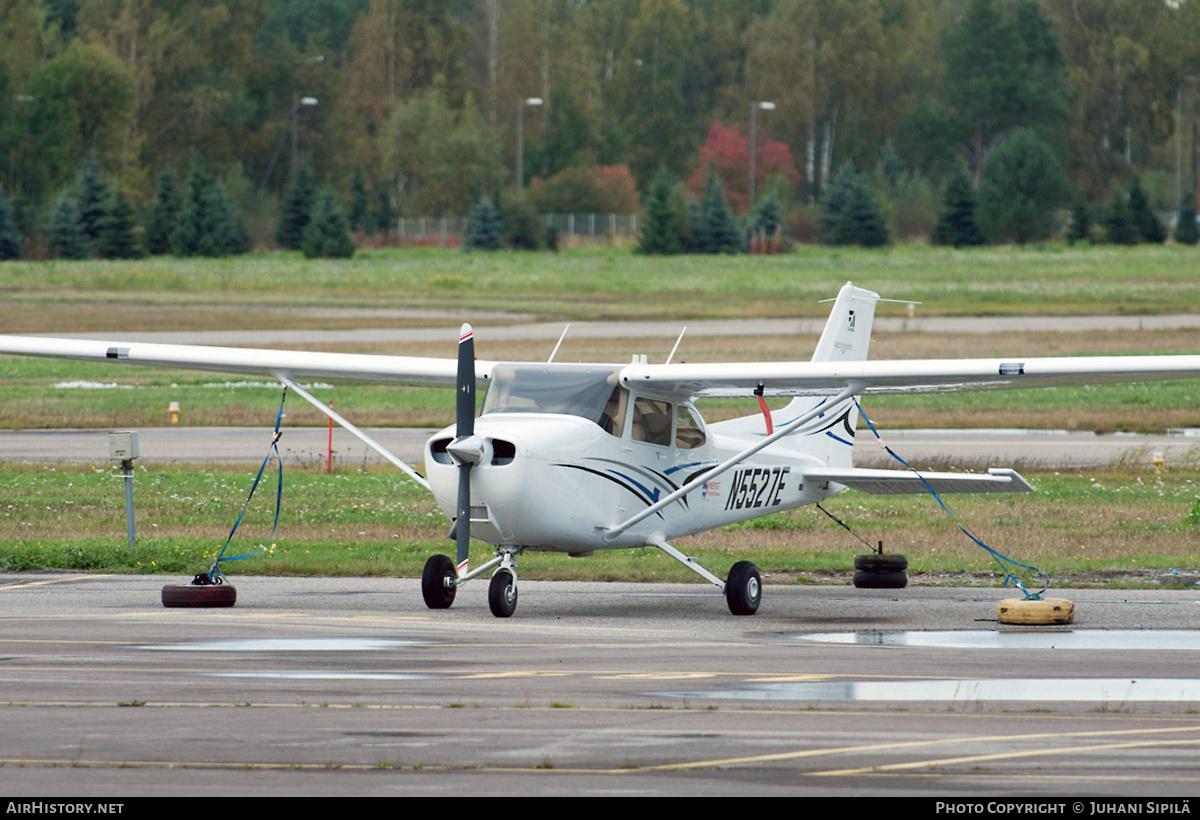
point(729, 152)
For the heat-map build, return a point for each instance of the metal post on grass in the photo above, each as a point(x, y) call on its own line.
point(123, 447)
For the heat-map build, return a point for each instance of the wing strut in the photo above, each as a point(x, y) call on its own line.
point(354, 431)
point(852, 389)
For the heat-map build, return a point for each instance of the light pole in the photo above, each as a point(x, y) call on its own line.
point(1179, 140)
point(297, 102)
point(532, 102)
point(765, 106)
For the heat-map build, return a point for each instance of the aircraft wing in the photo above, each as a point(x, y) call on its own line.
point(903, 482)
point(293, 363)
point(901, 376)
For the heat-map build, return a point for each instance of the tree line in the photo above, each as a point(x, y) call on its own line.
point(874, 105)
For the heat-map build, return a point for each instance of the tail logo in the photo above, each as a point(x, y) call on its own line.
point(850, 321)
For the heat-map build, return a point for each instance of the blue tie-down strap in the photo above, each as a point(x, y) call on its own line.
point(1002, 560)
point(215, 572)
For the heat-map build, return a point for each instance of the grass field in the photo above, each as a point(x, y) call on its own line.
point(590, 283)
point(1114, 527)
point(1118, 527)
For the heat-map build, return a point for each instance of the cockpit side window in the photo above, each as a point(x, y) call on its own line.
point(612, 420)
point(652, 422)
point(689, 433)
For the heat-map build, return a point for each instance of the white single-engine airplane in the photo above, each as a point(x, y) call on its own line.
point(582, 457)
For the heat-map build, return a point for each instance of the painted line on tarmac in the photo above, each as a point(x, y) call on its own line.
point(996, 756)
point(69, 580)
point(809, 753)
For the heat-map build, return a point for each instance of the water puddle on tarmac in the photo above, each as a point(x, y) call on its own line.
point(1041, 638)
point(287, 645)
point(322, 675)
point(1112, 692)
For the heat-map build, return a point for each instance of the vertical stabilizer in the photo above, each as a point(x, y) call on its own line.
point(847, 334)
point(846, 338)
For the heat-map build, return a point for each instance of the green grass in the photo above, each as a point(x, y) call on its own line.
point(614, 283)
point(1116, 527)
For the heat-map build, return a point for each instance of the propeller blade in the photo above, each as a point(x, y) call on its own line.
point(465, 406)
point(465, 428)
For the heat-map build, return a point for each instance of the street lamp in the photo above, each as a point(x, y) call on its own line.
point(297, 102)
point(765, 106)
point(532, 102)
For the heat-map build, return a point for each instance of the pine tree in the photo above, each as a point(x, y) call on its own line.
point(767, 217)
point(485, 231)
point(163, 215)
point(1148, 226)
point(956, 226)
point(117, 239)
point(12, 241)
point(327, 234)
point(849, 213)
point(384, 216)
point(1081, 221)
point(360, 216)
point(213, 223)
point(861, 223)
point(1119, 221)
point(834, 200)
point(1185, 226)
point(720, 230)
point(664, 218)
point(92, 198)
point(66, 237)
point(297, 210)
point(190, 224)
point(524, 231)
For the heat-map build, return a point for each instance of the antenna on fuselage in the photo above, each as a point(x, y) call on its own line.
point(671, 355)
point(554, 352)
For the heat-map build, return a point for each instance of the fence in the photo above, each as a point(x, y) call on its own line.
point(568, 225)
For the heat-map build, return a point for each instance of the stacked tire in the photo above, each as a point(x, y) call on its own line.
point(877, 570)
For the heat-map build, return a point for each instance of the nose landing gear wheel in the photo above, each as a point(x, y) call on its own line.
point(502, 593)
point(433, 582)
point(743, 589)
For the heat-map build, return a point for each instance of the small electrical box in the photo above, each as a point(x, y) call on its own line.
point(123, 446)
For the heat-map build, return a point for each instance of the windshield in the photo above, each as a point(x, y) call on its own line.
point(583, 390)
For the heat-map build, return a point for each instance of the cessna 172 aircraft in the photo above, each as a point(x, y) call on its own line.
point(582, 457)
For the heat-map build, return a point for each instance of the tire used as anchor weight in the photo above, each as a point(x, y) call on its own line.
point(743, 588)
point(880, 580)
point(434, 590)
point(881, 562)
point(879, 570)
point(199, 596)
point(502, 593)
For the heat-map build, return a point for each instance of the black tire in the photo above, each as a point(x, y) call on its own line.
point(198, 596)
point(880, 580)
point(881, 562)
point(502, 594)
point(433, 586)
point(743, 589)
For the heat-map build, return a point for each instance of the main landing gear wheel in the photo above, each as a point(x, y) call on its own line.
point(1038, 613)
point(743, 589)
point(502, 593)
point(433, 582)
point(199, 595)
point(878, 570)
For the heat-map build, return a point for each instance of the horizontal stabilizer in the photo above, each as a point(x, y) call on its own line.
point(901, 482)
